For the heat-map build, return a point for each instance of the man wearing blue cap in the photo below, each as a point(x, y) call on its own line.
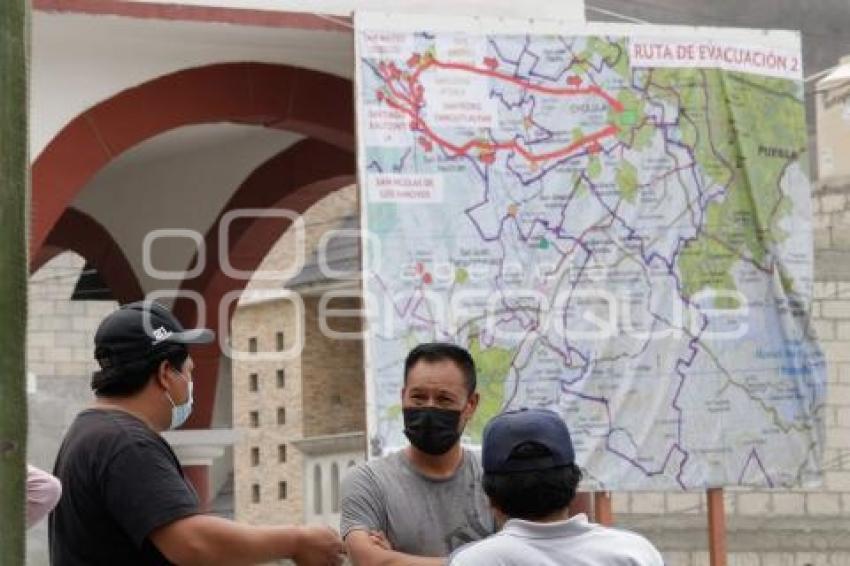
point(126, 500)
point(530, 477)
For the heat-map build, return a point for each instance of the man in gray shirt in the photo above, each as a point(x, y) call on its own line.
point(415, 506)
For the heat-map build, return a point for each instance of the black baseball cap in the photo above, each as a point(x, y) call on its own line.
point(505, 432)
point(141, 330)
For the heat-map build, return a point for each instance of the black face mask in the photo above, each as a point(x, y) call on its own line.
point(430, 429)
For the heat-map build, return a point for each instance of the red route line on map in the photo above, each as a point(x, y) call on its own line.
point(593, 89)
point(418, 123)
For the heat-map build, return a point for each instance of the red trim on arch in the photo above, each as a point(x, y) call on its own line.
point(80, 233)
point(293, 180)
point(210, 14)
point(307, 102)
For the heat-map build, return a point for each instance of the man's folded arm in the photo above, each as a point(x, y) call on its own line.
point(364, 552)
point(209, 540)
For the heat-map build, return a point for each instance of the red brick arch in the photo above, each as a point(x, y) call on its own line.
point(78, 232)
point(311, 103)
point(293, 180)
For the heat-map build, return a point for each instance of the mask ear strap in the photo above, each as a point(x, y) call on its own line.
point(180, 373)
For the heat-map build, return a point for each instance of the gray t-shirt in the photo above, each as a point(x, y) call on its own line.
point(419, 515)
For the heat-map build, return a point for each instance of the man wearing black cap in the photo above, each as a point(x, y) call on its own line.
point(126, 500)
point(531, 477)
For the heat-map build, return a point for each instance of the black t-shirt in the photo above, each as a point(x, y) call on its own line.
point(121, 481)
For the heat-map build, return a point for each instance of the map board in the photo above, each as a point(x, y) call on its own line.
point(615, 220)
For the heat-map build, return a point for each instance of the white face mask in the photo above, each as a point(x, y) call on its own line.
point(179, 413)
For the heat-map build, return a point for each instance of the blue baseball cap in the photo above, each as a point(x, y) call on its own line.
point(505, 432)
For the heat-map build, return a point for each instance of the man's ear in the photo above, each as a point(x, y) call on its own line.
point(472, 403)
point(162, 374)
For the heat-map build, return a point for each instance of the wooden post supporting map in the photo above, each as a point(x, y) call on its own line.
point(716, 527)
point(603, 512)
point(596, 505)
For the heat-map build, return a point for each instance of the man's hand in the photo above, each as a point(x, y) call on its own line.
point(318, 546)
point(380, 539)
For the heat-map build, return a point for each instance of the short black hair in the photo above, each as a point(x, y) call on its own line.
point(533, 494)
point(129, 378)
point(438, 351)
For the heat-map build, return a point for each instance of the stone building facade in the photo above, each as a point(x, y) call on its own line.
point(267, 411)
point(301, 416)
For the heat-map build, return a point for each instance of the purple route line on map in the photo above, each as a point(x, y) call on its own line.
point(681, 362)
point(407, 307)
point(499, 54)
point(754, 456)
point(676, 123)
point(532, 100)
point(400, 167)
point(532, 71)
point(611, 430)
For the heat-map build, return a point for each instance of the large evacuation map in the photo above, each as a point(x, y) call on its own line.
point(616, 223)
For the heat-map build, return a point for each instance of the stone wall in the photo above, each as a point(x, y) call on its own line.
point(61, 331)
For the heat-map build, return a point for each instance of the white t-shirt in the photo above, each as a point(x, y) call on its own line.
point(575, 541)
